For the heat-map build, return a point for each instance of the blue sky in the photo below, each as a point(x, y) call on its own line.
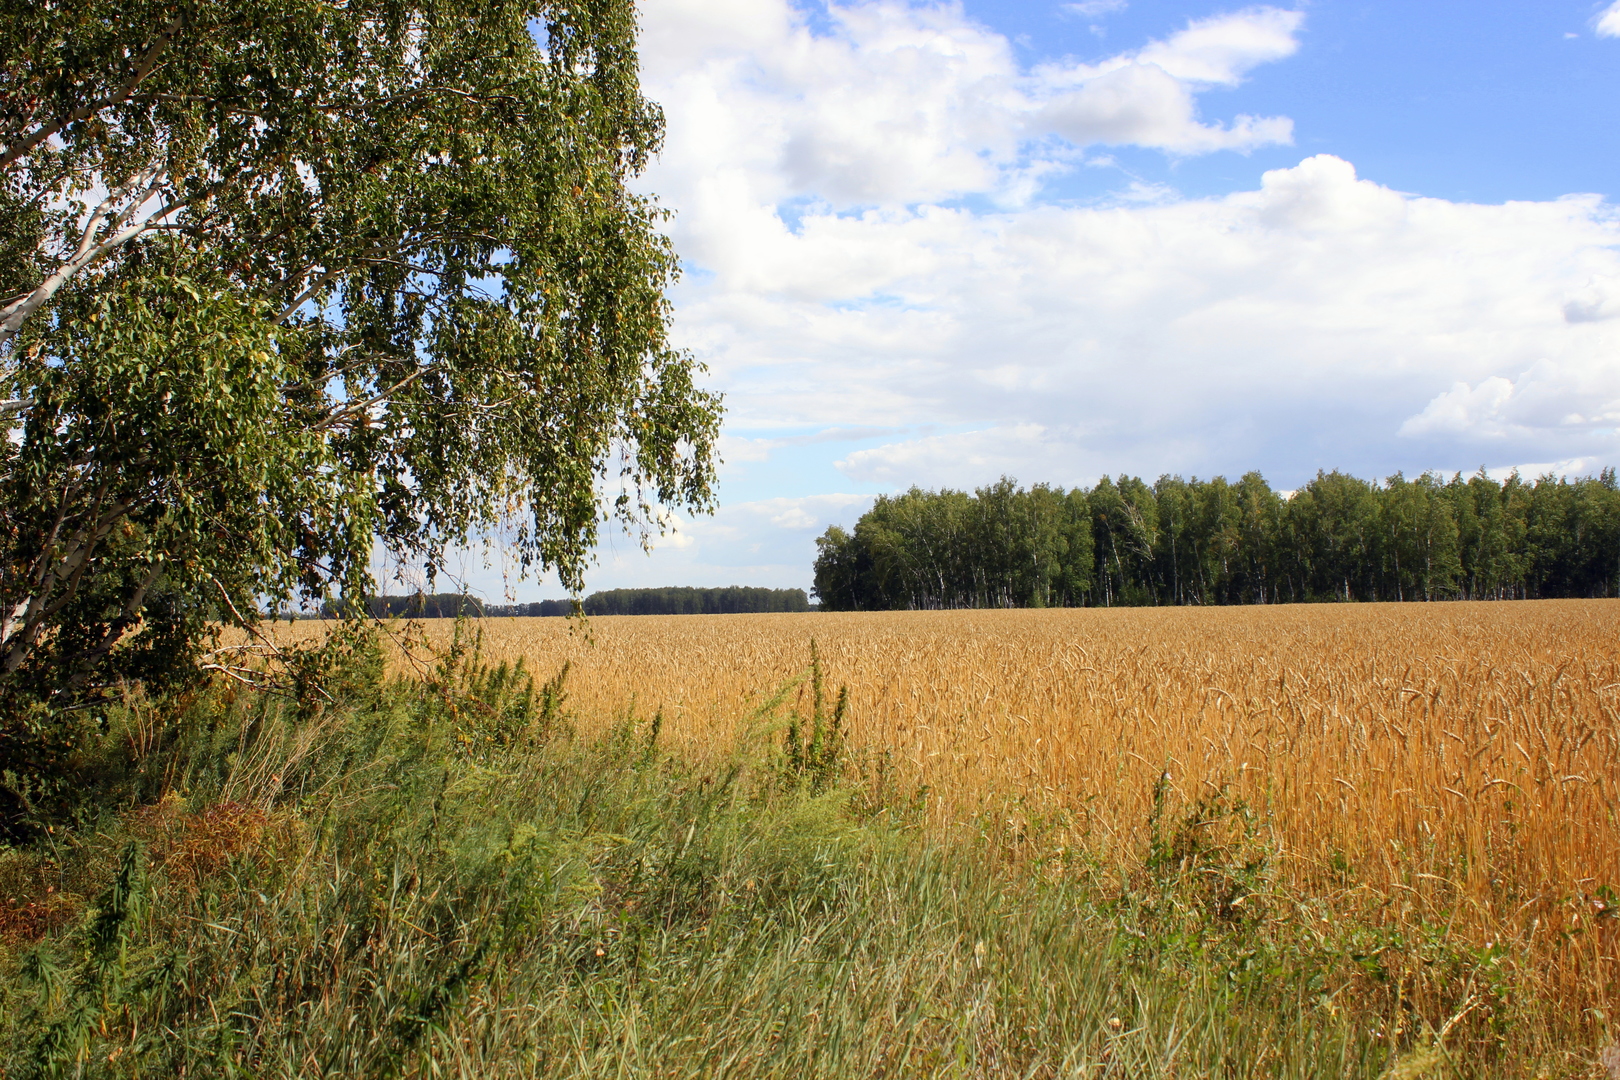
point(1488, 100)
point(934, 244)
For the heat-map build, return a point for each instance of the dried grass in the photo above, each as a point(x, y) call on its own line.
point(1445, 770)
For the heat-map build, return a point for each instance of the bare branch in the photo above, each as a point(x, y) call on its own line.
point(356, 408)
point(252, 678)
point(252, 628)
point(316, 286)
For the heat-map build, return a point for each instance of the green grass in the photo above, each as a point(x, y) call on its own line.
point(439, 878)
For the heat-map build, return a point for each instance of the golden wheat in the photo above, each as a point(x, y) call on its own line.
point(1445, 768)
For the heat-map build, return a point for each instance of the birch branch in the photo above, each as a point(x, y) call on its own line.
point(120, 229)
point(148, 64)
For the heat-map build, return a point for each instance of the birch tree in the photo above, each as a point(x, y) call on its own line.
point(280, 280)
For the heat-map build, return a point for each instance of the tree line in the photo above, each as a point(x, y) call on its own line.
point(1191, 541)
point(733, 600)
point(681, 600)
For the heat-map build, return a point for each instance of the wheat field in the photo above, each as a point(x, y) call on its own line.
point(1439, 770)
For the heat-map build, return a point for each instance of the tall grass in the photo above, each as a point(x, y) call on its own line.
point(1409, 792)
point(465, 873)
point(444, 878)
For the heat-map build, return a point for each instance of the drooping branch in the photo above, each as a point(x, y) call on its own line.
point(69, 572)
point(128, 616)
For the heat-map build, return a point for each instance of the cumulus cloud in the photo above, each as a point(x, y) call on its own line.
point(1608, 23)
point(894, 105)
point(1147, 97)
point(1145, 105)
point(1549, 396)
point(1303, 322)
point(1594, 303)
point(1463, 409)
point(898, 104)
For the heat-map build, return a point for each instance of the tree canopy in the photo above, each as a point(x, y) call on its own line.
point(1180, 541)
point(284, 279)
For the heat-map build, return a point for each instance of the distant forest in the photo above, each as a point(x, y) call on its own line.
point(1177, 541)
point(733, 600)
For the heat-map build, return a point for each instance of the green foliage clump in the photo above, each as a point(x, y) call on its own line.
point(813, 745)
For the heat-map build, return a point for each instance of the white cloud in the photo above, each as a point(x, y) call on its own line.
point(1463, 409)
point(1599, 300)
point(894, 105)
point(1146, 105)
point(1608, 23)
point(765, 542)
point(1147, 97)
point(676, 538)
point(1571, 467)
point(737, 451)
point(1549, 396)
point(1322, 194)
point(1222, 49)
point(899, 105)
point(973, 454)
point(1092, 9)
point(1308, 319)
